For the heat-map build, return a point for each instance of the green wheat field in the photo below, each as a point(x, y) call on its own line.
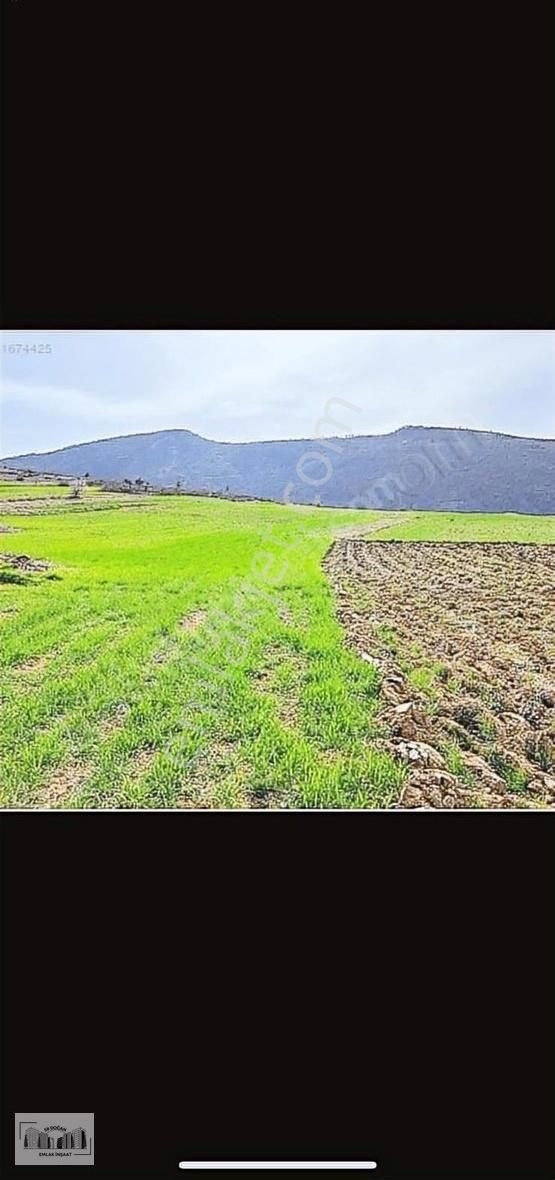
point(163, 652)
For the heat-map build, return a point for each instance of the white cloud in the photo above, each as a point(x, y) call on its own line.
point(263, 384)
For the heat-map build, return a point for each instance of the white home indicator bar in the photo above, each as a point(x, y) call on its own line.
point(278, 1165)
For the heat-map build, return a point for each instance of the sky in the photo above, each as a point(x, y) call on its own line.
point(247, 385)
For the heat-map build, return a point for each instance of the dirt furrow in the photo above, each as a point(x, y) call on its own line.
point(464, 634)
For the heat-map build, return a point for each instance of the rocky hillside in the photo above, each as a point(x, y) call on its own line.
point(413, 467)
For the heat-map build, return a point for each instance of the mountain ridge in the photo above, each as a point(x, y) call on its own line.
point(298, 438)
point(426, 467)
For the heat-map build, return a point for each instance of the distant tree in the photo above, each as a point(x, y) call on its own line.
point(178, 484)
point(127, 485)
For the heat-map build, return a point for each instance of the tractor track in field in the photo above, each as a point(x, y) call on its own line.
point(355, 532)
point(464, 636)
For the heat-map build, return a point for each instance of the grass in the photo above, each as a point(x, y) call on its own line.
point(424, 677)
point(114, 694)
point(455, 763)
point(473, 526)
point(514, 776)
point(12, 490)
point(101, 682)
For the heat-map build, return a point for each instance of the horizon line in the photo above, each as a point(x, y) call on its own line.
point(265, 441)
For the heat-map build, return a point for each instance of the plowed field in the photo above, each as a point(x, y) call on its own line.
point(463, 635)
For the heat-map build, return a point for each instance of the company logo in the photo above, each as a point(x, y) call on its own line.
point(54, 1139)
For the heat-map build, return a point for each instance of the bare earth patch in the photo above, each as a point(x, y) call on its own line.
point(379, 526)
point(24, 564)
point(113, 721)
point(35, 664)
point(140, 763)
point(464, 635)
point(215, 778)
point(193, 620)
point(62, 783)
